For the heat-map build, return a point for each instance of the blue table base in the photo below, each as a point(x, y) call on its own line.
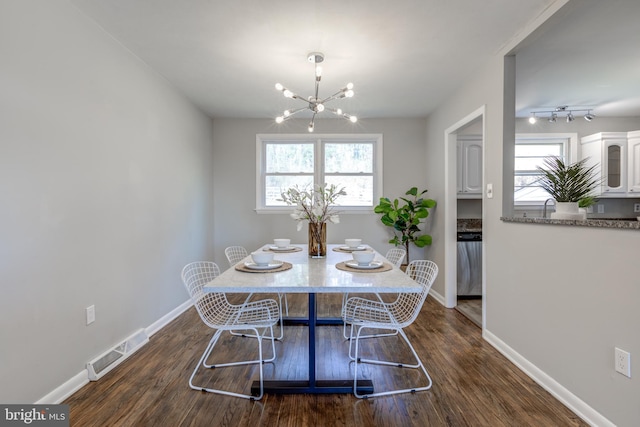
point(312, 385)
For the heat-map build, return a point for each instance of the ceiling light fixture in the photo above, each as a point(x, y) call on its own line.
point(562, 110)
point(314, 103)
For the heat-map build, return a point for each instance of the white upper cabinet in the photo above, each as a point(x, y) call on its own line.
point(633, 169)
point(609, 151)
point(469, 151)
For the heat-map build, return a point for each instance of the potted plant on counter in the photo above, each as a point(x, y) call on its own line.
point(405, 218)
point(568, 184)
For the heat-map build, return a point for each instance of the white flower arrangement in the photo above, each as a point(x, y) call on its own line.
point(315, 206)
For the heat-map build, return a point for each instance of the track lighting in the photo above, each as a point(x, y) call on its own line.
point(570, 117)
point(561, 110)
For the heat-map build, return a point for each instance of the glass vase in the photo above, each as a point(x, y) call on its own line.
point(318, 240)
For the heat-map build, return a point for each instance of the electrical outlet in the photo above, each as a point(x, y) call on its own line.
point(623, 362)
point(91, 314)
point(636, 207)
point(600, 208)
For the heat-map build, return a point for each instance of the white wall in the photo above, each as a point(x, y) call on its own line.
point(559, 299)
point(105, 187)
point(235, 219)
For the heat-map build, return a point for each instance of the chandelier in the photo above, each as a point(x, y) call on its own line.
point(313, 102)
point(559, 112)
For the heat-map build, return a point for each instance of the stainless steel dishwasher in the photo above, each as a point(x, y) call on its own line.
point(469, 264)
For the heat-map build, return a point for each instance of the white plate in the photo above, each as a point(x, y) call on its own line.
point(357, 248)
point(354, 264)
point(276, 248)
point(253, 266)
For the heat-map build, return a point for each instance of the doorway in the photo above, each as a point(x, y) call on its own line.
point(473, 123)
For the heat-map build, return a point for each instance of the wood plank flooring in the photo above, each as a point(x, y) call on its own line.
point(474, 385)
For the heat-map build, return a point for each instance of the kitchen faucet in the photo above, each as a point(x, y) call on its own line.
point(544, 210)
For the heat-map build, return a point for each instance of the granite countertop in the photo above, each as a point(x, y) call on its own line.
point(622, 223)
point(467, 224)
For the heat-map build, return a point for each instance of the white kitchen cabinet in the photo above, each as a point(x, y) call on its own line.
point(469, 167)
point(609, 151)
point(633, 168)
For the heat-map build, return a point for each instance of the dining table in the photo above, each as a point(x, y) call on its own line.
point(297, 272)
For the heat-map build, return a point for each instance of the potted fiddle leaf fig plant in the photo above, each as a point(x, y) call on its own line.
point(570, 185)
point(405, 216)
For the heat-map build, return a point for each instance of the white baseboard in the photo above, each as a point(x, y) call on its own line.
point(65, 390)
point(60, 393)
point(570, 400)
point(167, 318)
point(436, 296)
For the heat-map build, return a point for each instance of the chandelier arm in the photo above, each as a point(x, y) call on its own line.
point(335, 96)
point(337, 113)
point(291, 113)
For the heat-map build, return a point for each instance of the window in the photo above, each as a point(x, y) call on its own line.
point(350, 161)
point(530, 151)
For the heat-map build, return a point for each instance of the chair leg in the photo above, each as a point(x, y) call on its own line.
point(358, 360)
point(260, 361)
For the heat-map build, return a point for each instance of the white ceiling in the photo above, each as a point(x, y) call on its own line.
point(404, 57)
point(587, 54)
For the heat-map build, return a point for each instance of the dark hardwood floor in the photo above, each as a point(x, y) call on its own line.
point(473, 384)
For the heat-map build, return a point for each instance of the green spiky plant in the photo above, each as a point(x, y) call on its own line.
point(568, 183)
point(405, 218)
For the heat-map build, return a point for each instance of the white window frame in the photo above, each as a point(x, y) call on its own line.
point(570, 153)
point(318, 175)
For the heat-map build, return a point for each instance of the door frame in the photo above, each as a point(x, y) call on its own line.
point(451, 208)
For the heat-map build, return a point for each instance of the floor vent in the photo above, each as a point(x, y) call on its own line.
point(102, 364)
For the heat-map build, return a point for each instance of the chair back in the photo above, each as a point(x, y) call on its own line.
point(210, 305)
point(395, 256)
point(235, 254)
point(406, 308)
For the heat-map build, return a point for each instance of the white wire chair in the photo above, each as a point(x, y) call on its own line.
point(217, 313)
point(364, 314)
point(234, 255)
point(395, 256)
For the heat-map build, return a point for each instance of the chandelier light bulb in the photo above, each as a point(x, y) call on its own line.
point(314, 103)
point(532, 119)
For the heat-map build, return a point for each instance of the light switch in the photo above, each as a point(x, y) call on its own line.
point(489, 191)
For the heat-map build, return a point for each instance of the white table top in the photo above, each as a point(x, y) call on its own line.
point(308, 275)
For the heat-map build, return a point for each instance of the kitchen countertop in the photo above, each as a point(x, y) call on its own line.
point(468, 224)
point(622, 223)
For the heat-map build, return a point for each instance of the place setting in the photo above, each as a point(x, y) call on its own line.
point(282, 246)
point(263, 262)
point(363, 262)
point(351, 245)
